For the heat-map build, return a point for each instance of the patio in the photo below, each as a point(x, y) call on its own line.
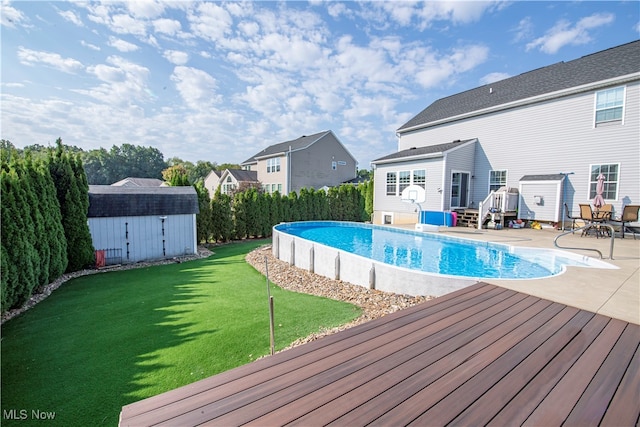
point(563, 350)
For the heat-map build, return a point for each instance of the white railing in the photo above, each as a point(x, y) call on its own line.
point(503, 200)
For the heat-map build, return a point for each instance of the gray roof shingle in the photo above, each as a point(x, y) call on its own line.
point(421, 151)
point(614, 62)
point(295, 144)
point(114, 201)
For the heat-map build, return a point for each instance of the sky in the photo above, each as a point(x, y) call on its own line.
point(220, 81)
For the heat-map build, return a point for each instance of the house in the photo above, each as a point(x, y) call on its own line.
point(139, 182)
point(133, 224)
point(524, 145)
point(237, 179)
point(310, 161)
point(212, 182)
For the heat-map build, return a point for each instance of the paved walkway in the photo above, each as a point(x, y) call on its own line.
point(614, 293)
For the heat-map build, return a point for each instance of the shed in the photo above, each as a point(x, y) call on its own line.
point(133, 224)
point(541, 197)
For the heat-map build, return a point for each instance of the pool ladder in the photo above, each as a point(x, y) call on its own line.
point(584, 227)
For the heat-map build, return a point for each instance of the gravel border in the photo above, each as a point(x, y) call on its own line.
point(374, 303)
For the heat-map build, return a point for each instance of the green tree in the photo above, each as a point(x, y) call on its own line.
point(222, 218)
point(176, 176)
point(204, 220)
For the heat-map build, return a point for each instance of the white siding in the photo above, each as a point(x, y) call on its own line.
point(144, 236)
point(548, 138)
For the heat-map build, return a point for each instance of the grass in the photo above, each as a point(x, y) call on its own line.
point(103, 341)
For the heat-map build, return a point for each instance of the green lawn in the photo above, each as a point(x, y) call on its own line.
point(102, 341)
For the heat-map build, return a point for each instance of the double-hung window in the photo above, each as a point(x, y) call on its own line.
point(404, 180)
point(420, 178)
point(273, 165)
point(497, 179)
point(610, 172)
point(609, 105)
point(392, 180)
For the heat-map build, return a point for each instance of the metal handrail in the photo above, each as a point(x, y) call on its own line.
point(584, 227)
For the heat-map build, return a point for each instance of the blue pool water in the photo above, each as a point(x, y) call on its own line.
point(434, 253)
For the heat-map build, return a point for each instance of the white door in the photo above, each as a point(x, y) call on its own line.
point(459, 189)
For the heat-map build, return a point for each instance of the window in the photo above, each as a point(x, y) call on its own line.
point(273, 165)
point(609, 105)
point(420, 178)
point(392, 179)
point(405, 180)
point(497, 179)
point(280, 188)
point(610, 173)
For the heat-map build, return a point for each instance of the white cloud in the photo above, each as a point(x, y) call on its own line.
point(524, 30)
point(89, 45)
point(210, 21)
point(54, 60)
point(494, 77)
point(125, 82)
point(167, 26)
point(11, 16)
point(71, 17)
point(436, 69)
point(176, 57)
point(145, 8)
point(197, 87)
point(563, 33)
point(122, 45)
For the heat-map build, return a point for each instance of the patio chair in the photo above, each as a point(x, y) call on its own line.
point(572, 218)
point(592, 221)
point(629, 214)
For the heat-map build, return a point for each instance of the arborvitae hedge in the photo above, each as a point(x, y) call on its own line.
point(252, 213)
point(33, 240)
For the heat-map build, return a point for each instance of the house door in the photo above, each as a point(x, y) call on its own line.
point(459, 189)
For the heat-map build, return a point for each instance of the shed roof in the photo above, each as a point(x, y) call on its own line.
point(600, 66)
point(138, 182)
point(430, 150)
point(115, 201)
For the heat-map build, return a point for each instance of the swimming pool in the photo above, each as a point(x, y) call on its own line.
point(404, 260)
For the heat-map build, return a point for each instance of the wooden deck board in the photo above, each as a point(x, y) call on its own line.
point(480, 355)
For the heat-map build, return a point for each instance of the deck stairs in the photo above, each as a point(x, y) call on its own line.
point(500, 205)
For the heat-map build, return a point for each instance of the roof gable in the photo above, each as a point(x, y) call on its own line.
point(607, 64)
point(242, 175)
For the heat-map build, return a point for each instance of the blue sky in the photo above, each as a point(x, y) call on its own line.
point(219, 81)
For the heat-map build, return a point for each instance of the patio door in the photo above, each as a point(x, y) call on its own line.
point(459, 189)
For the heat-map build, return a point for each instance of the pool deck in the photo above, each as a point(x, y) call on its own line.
point(614, 293)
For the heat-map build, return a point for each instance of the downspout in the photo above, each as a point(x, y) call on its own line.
point(289, 171)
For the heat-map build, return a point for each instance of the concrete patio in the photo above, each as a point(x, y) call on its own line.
point(613, 293)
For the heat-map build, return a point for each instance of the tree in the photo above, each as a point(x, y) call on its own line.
point(204, 219)
point(176, 176)
point(72, 193)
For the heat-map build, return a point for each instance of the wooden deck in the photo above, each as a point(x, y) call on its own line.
point(481, 355)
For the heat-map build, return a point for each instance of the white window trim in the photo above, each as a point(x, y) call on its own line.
point(589, 181)
point(595, 105)
point(506, 178)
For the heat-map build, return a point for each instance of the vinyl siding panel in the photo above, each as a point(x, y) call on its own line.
point(548, 138)
point(144, 240)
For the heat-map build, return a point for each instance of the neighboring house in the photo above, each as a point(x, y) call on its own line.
point(133, 224)
point(139, 182)
point(212, 181)
point(234, 179)
point(312, 161)
point(545, 135)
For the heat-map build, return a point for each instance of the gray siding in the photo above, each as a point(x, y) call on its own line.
point(145, 237)
point(458, 160)
point(311, 167)
point(548, 138)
